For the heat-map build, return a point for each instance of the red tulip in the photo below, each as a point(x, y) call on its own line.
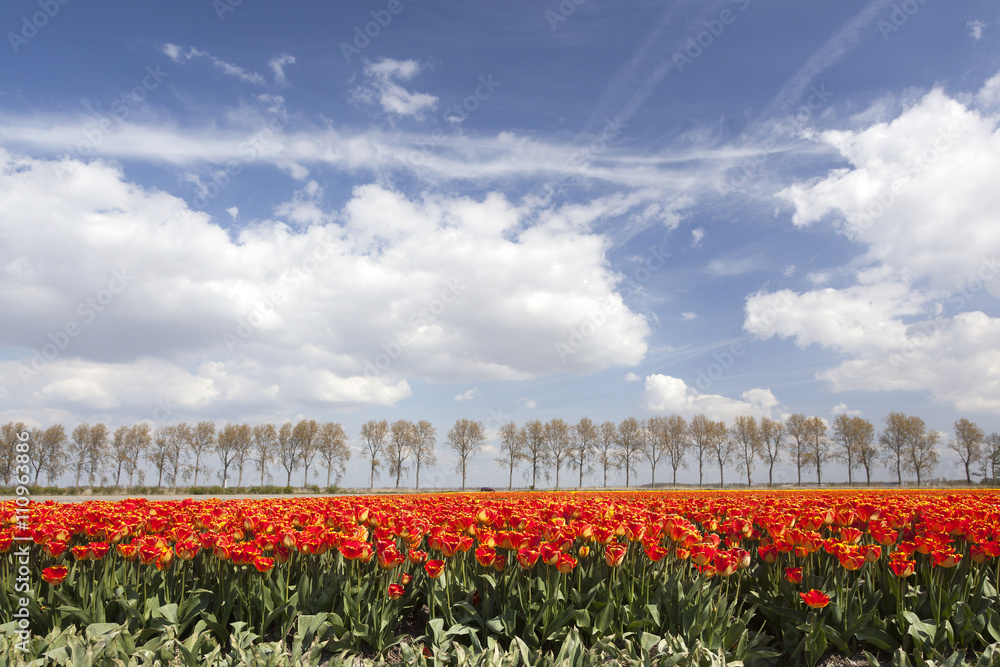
point(815, 599)
point(54, 575)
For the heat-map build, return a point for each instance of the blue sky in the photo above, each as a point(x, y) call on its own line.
point(408, 210)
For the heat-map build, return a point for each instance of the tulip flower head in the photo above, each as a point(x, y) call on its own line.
point(54, 575)
point(815, 599)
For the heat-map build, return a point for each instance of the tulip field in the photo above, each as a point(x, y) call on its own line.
point(758, 577)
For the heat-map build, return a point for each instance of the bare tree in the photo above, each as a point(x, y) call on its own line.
point(228, 445)
point(701, 443)
point(374, 434)
point(819, 445)
point(242, 448)
point(921, 455)
point(559, 443)
point(288, 450)
point(535, 451)
point(466, 438)
point(119, 450)
point(654, 443)
point(54, 443)
point(305, 433)
point(332, 442)
point(899, 433)
point(202, 440)
point(423, 447)
point(749, 445)
point(992, 445)
point(867, 451)
point(177, 453)
point(138, 440)
point(772, 438)
point(402, 435)
point(77, 451)
point(968, 444)
point(511, 449)
point(797, 428)
point(265, 441)
point(157, 452)
point(606, 447)
point(51, 457)
point(97, 453)
point(9, 440)
point(678, 443)
point(584, 442)
point(629, 443)
point(852, 435)
point(36, 454)
point(721, 446)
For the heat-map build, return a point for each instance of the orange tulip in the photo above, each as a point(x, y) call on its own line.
point(263, 563)
point(434, 568)
point(566, 563)
point(793, 574)
point(54, 575)
point(395, 591)
point(815, 599)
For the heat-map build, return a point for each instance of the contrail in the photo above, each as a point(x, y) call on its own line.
point(842, 41)
point(633, 84)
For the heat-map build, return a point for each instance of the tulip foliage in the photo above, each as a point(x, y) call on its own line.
point(756, 576)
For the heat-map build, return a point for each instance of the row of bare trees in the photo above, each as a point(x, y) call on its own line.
point(905, 444)
point(809, 443)
point(176, 452)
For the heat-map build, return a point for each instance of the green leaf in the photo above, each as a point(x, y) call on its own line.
point(899, 659)
point(878, 638)
point(169, 612)
point(604, 618)
point(872, 660)
point(648, 641)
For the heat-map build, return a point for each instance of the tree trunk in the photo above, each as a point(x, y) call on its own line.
point(581, 473)
point(510, 482)
point(418, 476)
point(373, 474)
point(722, 476)
point(261, 474)
point(197, 468)
point(770, 474)
point(288, 481)
point(749, 483)
point(700, 482)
